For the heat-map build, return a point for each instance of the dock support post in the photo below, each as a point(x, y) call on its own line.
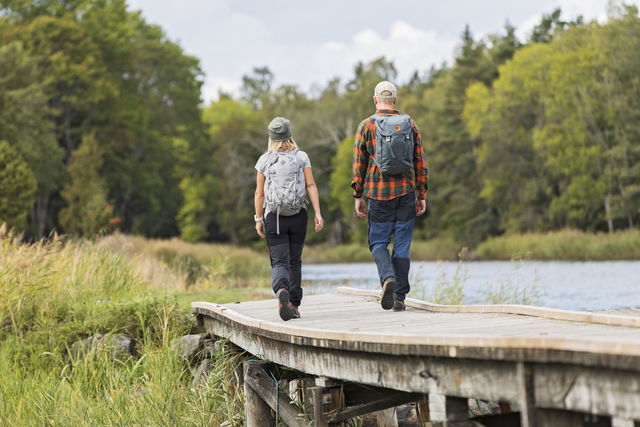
point(559, 418)
point(621, 422)
point(318, 407)
point(526, 397)
point(448, 410)
point(387, 417)
point(422, 408)
point(307, 396)
point(257, 411)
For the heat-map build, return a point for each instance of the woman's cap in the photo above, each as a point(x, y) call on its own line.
point(385, 90)
point(279, 129)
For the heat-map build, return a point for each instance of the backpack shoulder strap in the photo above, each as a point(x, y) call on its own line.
point(294, 153)
point(272, 157)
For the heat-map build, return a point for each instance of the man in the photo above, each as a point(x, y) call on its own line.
point(390, 169)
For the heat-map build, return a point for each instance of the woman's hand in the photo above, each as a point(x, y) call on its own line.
point(319, 222)
point(260, 229)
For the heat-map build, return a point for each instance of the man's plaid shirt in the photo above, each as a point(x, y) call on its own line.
point(368, 178)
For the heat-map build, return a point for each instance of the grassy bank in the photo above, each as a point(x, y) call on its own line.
point(563, 245)
point(421, 250)
point(568, 245)
point(55, 293)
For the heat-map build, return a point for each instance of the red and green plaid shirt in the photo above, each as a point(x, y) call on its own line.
point(368, 178)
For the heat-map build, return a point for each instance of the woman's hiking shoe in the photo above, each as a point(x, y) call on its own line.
point(296, 313)
point(387, 293)
point(398, 306)
point(285, 307)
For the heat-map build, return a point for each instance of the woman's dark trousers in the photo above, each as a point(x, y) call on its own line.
point(285, 251)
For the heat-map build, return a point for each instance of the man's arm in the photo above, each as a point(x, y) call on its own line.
point(420, 165)
point(360, 160)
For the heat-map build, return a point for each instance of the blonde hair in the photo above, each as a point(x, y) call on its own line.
point(282, 146)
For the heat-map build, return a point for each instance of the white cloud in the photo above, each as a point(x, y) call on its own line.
point(230, 43)
point(306, 64)
point(408, 47)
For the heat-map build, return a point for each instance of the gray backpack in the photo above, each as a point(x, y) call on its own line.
point(394, 143)
point(285, 191)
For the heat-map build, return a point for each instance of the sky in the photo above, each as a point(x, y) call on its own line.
point(307, 43)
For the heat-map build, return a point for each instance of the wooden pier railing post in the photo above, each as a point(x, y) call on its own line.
point(257, 411)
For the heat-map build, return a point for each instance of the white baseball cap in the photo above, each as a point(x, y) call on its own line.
point(385, 86)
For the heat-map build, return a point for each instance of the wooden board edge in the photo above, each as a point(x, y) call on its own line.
point(524, 310)
point(451, 341)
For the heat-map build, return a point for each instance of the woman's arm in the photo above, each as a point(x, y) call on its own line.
point(312, 191)
point(258, 201)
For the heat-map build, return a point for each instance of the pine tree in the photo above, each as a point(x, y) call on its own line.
point(17, 187)
point(87, 211)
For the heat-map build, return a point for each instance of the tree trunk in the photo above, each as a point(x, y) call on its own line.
point(38, 216)
point(607, 211)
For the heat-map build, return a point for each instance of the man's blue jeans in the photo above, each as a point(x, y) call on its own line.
point(387, 218)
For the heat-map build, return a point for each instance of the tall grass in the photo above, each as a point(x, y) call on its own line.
point(512, 288)
point(176, 265)
point(515, 287)
point(54, 293)
point(446, 290)
point(563, 245)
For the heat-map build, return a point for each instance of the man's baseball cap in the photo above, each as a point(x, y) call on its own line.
point(385, 90)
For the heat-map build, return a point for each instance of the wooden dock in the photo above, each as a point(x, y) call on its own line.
point(349, 357)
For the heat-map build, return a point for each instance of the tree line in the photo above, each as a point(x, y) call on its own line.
point(102, 127)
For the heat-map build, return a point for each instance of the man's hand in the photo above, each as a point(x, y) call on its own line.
point(361, 208)
point(260, 229)
point(421, 207)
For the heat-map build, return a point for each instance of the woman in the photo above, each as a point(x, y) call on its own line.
point(284, 178)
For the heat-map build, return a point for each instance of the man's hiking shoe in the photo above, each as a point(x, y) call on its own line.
point(296, 313)
point(398, 306)
point(285, 307)
point(387, 293)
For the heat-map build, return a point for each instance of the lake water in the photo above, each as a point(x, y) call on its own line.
point(598, 285)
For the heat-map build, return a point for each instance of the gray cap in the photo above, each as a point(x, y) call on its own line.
point(385, 86)
point(279, 129)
